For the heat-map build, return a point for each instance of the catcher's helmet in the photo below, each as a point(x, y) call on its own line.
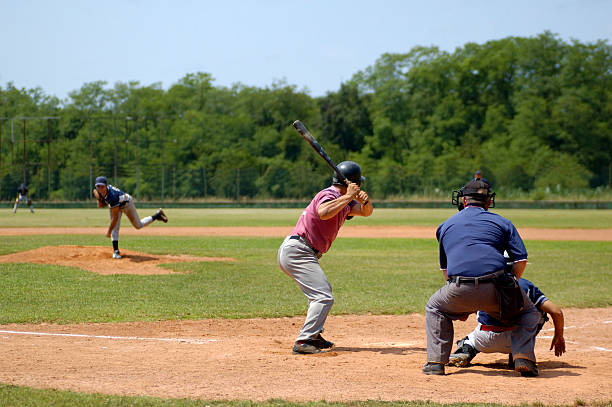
point(351, 171)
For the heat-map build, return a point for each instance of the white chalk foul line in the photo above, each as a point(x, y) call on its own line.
point(127, 338)
point(601, 349)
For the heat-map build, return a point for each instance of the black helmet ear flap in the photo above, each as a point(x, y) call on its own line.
point(457, 199)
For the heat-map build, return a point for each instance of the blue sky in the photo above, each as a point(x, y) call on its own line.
point(62, 44)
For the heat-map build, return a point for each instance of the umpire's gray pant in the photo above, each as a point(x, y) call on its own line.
point(454, 301)
point(299, 262)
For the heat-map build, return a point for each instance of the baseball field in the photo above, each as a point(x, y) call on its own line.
point(198, 313)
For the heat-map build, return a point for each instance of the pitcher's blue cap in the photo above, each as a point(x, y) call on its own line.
point(101, 181)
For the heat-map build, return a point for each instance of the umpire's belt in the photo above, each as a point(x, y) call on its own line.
point(487, 278)
point(307, 243)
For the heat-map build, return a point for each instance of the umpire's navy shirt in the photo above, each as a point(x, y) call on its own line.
point(472, 243)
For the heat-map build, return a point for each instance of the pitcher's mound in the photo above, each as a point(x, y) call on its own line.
point(99, 259)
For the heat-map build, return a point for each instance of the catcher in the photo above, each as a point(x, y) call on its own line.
point(23, 196)
point(493, 336)
point(120, 202)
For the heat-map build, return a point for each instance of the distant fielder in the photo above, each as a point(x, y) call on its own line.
point(120, 202)
point(23, 196)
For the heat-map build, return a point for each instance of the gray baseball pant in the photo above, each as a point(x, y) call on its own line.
point(453, 301)
point(490, 342)
point(130, 211)
point(299, 262)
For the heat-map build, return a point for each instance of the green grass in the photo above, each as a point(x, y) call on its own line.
point(542, 218)
point(378, 276)
point(25, 396)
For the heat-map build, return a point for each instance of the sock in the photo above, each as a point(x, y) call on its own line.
point(115, 245)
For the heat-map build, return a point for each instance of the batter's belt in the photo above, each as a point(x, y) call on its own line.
point(307, 243)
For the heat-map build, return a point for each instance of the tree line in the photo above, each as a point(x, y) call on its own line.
point(533, 114)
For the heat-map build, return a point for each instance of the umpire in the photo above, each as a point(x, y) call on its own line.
point(471, 245)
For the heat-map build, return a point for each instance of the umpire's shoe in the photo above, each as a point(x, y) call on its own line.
point(526, 367)
point(433, 368)
point(160, 215)
point(463, 355)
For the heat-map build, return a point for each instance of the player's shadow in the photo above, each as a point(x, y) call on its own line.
point(547, 369)
point(137, 258)
point(387, 350)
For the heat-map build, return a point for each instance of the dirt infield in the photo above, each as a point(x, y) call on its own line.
point(99, 259)
point(424, 232)
point(376, 357)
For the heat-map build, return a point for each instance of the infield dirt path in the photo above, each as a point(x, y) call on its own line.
point(376, 357)
point(423, 232)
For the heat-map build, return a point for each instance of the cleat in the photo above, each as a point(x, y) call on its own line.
point(321, 342)
point(160, 215)
point(305, 347)
point(432, 368)
point(116, 254)
point(526, 367)
point(463, 355)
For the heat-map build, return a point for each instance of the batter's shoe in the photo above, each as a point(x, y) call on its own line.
point(526, 367)
point(320, 342)
point(463, 355)
point(433, 368)
point(305, 347)
point(116, 254)
point(160, 215)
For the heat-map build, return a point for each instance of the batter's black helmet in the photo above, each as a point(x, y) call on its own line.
point(351, 171)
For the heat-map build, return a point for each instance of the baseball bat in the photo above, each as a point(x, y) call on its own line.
point(299, 126)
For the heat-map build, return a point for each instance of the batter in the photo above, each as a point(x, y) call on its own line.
point(313, 235)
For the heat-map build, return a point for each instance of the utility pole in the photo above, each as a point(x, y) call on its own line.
point(48, 158)
point(91, 186)
point(115, 150)
point(161, 119)
point(24, 151)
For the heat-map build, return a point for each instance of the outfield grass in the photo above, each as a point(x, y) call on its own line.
point(540, 218)
point(378, 276)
